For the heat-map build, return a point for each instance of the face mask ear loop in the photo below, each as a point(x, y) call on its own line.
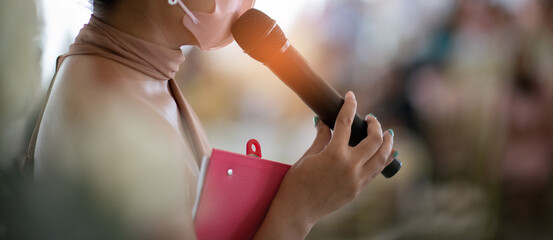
point(188, 12)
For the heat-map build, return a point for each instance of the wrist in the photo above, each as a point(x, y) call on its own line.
point(285, 220)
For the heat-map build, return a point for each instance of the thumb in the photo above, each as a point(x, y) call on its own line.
point(322, 139)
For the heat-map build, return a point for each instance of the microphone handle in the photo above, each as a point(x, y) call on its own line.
point(322, 98)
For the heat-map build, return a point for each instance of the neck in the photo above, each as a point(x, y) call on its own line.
point(153, 21)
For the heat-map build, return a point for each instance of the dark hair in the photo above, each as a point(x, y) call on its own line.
point(102, 6)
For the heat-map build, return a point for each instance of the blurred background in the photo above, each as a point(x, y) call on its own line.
point(467, 86)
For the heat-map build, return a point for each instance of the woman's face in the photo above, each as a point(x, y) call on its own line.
point(173, 16)
point(200, 5)
point(210, 29)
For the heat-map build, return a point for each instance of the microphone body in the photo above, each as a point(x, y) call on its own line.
point(261, 38)
point(294, 71)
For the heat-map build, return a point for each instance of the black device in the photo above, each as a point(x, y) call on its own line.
point(261, 38)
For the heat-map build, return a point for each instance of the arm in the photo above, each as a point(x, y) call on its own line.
point(328, 176)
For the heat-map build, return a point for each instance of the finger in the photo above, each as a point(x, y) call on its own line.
point(368, 146)
point(380, 159)
point(322, 138)
point(393, 156)
point(342, 127)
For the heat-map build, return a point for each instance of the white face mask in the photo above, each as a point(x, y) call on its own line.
point(212, 30)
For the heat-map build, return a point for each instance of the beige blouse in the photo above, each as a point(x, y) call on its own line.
point(114, 121)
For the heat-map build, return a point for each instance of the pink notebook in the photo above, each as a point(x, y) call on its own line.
point(235, 192)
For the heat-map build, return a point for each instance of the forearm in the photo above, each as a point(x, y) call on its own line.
point(284, 222)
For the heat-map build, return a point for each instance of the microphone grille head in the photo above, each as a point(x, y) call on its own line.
point(258, 35)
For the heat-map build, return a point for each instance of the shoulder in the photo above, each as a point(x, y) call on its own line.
point(97, 129)
point(80, 72)
point(91, 85)
point(96, 107)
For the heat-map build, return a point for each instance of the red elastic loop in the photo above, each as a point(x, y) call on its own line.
point(249, 150)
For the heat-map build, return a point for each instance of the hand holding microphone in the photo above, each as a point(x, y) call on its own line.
point(261, 38)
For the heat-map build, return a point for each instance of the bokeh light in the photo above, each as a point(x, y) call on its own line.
point(467, 86)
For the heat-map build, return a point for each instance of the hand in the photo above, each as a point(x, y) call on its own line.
point(331, 173)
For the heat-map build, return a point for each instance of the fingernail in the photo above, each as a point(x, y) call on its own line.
point(391, 132)
point(350, 94)
point(372, 115)
point(395, 154)
point(316, 120)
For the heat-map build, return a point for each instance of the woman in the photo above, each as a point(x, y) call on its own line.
point(116, 122)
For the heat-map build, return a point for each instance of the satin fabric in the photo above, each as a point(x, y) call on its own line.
point(115, 118)
point(100, 39)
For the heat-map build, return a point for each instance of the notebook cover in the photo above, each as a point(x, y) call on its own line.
point(232, 204)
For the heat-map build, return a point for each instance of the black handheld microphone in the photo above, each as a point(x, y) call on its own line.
point(261, 38)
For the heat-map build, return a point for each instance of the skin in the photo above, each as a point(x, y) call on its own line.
point(328, 176)
point(333, 172)
point(155, 21)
